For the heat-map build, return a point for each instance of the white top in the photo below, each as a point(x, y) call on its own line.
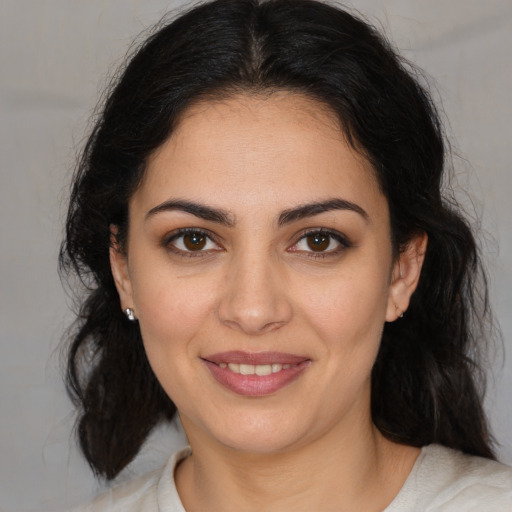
point(442, 480)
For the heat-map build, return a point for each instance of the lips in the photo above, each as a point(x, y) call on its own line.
point(255, 374)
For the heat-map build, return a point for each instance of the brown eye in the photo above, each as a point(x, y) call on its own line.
point(194, 241)
point(318, 242)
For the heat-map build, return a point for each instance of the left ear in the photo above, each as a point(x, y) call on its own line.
point(405, 276)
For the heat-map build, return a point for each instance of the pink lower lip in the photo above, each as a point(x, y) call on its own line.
point(255, 385)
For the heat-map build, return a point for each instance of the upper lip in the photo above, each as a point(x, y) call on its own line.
point(254, 358)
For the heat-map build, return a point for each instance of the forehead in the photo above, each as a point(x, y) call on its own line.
point(257, 150)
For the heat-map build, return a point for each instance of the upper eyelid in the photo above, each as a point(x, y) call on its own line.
point(185, 231)
point(173, 235)
point(343, 241)
point(340, 237)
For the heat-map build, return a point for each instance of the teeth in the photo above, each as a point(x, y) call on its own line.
point(255, 369)
point(247, 369)
point(263, 369)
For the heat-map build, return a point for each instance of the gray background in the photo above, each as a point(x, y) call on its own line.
point(54, 58)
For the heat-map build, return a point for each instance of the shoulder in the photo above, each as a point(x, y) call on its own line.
point(152, 492)
point(447, 480)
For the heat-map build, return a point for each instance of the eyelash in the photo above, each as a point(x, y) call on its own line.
point(175, 235)
point(343, 242)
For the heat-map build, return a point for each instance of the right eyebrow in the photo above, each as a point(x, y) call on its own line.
point(197, 209)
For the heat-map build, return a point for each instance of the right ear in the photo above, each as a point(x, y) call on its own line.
point(120, 271)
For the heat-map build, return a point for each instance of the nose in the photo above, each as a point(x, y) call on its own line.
point(254, 298)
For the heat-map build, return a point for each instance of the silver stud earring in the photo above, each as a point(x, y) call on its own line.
point(399, 312)
point(130, 314)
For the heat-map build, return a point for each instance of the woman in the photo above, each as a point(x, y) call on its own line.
point(258, 219)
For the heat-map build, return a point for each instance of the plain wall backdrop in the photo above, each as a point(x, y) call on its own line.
point(55, 56)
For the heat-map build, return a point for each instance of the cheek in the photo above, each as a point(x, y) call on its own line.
point(350, 306)
point(172, 316)
point(171, 309)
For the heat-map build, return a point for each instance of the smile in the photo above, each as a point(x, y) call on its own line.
point(251, 369)
point(255, 374)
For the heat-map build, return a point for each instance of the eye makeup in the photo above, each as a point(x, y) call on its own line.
point(320, 243)
point(312, 243)
point(191, 242)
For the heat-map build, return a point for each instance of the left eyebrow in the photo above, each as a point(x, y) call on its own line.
point(311, 209)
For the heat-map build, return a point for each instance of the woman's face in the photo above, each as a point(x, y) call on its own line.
point(259, 265)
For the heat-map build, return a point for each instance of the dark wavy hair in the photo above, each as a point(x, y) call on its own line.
point(427, 385)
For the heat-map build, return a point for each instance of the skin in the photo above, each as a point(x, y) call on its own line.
point(257, 285)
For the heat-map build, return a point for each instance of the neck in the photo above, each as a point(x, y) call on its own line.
point(332, 473)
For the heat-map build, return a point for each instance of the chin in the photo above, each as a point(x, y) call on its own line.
point(260, 443)
point(255, 432)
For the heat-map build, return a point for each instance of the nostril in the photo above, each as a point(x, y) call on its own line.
point(252, 301)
